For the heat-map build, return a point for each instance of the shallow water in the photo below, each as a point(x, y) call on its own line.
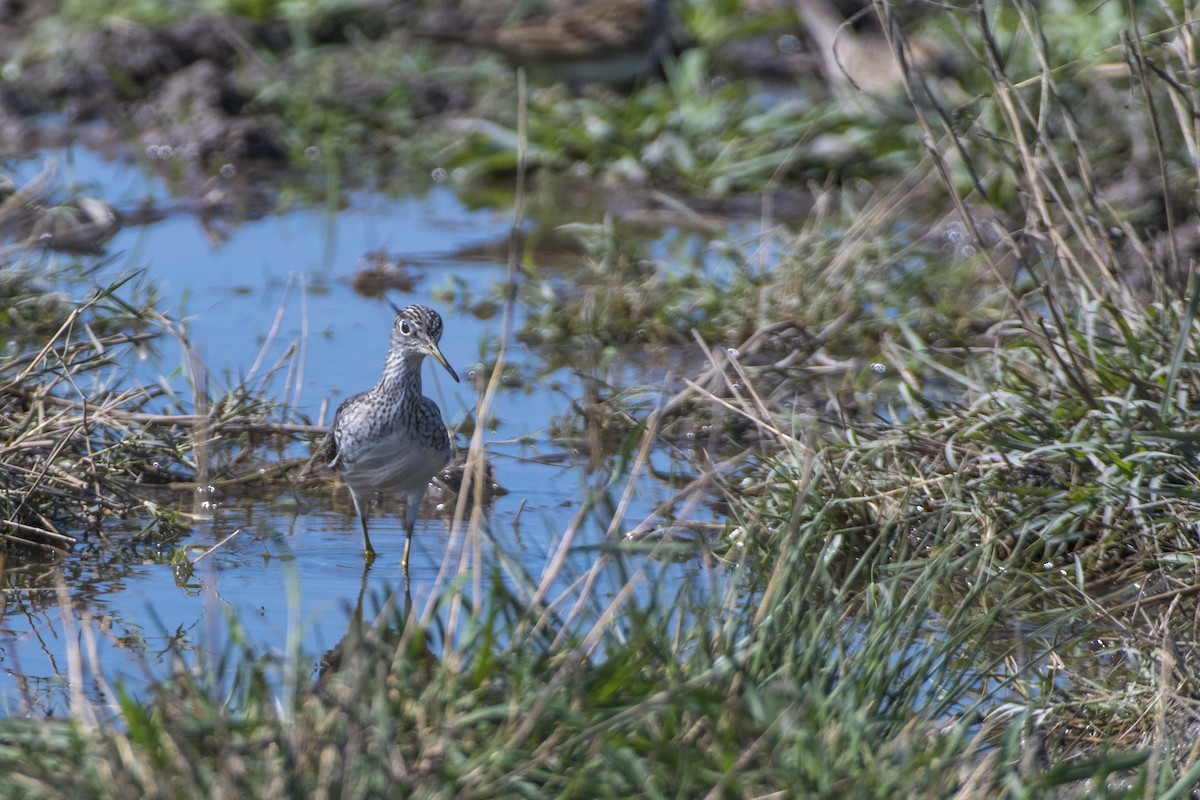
point(293, 568)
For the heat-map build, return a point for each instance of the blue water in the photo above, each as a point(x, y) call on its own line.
point(292, 569)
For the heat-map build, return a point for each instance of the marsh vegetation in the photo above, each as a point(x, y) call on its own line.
point(914, 372)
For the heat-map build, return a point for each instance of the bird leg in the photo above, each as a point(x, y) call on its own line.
point(368, 551)
point(410, 522)
point(362, 510)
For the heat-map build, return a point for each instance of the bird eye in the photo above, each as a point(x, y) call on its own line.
point(405, 328)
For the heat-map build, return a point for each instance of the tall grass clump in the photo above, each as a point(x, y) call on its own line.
point(87, 441)
point(72, 442)
point(1044, 443)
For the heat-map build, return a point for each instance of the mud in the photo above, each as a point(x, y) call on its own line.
point(188, 87)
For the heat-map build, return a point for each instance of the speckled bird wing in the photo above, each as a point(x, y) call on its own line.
point(588, 32)
point(329, 447)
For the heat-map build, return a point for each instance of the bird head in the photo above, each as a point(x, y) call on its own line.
point(417, 331)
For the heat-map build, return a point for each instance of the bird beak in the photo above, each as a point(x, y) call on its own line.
point(437, 356)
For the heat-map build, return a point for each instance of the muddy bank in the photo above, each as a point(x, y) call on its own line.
point(201, 90)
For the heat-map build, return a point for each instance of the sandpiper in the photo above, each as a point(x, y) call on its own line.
point(604, 41)
point(391, 438)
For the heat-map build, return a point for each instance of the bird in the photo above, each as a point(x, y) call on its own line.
point(391, 438)
point(604, 41)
